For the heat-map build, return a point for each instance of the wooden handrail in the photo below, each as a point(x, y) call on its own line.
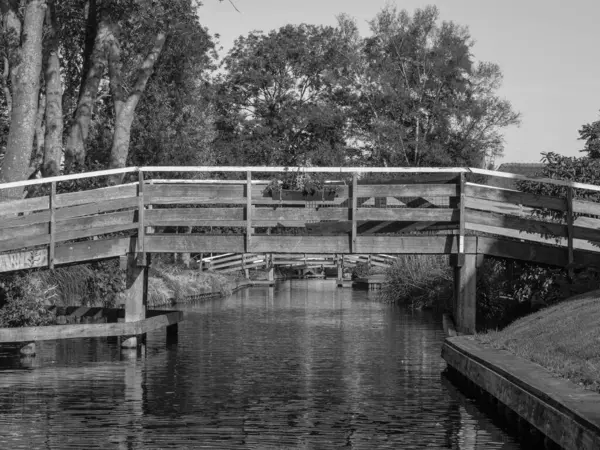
point(341, 170)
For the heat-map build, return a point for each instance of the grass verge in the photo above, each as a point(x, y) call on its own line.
point(564, 339)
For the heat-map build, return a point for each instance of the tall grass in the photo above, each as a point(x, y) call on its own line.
point(419, 281)
point(170, 283)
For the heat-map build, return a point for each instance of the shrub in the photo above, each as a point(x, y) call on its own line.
point(25, 302)
point(419, 280)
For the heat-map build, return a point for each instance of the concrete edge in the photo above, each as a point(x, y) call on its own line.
point(551, 405)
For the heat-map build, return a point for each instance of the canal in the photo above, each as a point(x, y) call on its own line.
point(303, 365)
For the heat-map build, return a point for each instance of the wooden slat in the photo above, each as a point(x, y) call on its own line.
point(37, 234)
point(66, 253)
point(53, 332)
point(353, 247)
point(25, 242)
point(97, 220)
point(585, 207)
point(194, 243)
point(408, 214)
point(374, 244)
point(96, 208)
point(498, 207)
point(189, 216)
point(515, 197)
point(23, 231)
point(516, 223)
point(407, 190)
point(93, 250)
point(578, 244)
point(69, 235)
point(28, 259)
point(26, 205)
point(191, 193)
point(300, 214)
point(516, 234)
point(29, 219)
point(527, 251)
point(96, 195)
point(235, 257)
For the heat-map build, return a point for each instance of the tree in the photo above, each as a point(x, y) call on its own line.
point(23, 54)
point(276, 102)
point(591, 134)
point(420, 99)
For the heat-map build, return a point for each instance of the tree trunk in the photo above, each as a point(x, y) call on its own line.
point(75, 150)
point(26, 88)
point(54, 111)
point(125, 110)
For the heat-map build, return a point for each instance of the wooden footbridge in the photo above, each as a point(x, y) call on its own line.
point(236, 262)
point(374, 211)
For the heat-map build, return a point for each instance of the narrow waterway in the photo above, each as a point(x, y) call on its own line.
point(303, 365)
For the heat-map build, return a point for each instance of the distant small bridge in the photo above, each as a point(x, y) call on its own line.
point(235, 262)
point(411, 211)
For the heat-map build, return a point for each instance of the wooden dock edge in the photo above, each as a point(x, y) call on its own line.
point(159, 319)
point(560, 410)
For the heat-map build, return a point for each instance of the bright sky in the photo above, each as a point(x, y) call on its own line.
point(547, 49)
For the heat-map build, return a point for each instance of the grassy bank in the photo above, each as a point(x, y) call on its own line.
point(169, 284)
point(565, 339)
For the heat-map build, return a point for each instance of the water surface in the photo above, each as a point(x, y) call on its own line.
point(304, 365)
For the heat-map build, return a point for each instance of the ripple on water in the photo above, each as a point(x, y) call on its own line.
point(303, 365)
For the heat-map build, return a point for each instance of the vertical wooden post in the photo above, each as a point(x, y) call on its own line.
point(136, 295)
point(271, 267)
point(465, 293)
point(570, 220)
point(461, 227)
point(141, 254)
point(248, 211)
point(52, 205)
point(354, 210)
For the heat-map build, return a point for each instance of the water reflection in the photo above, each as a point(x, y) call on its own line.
point(302, 365)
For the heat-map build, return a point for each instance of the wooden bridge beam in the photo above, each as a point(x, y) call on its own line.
point(465, 291)
point(136, 295)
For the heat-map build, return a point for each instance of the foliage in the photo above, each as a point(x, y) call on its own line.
point(24, 302)
point(363, 270)
point(417, 97)
point(590, 133)
point(277, 101)
point(420, 281)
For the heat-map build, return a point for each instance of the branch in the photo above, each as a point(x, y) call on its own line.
point(148, 66)
point(234, 7)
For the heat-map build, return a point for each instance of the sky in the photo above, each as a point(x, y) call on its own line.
point(548, 51)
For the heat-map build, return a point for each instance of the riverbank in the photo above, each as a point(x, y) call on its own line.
point(564, 339)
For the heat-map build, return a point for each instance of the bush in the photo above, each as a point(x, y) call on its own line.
point(421, 281)
point(25, 302)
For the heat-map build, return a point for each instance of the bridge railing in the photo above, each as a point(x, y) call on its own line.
point(416, 210)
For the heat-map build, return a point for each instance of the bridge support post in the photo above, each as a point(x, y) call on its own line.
point(136, 295)
point(270, 267)
point(465, 291)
